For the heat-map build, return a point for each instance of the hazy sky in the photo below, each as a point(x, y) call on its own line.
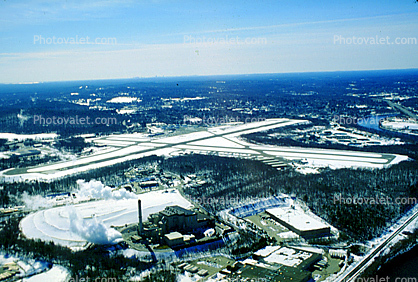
point(43, 40)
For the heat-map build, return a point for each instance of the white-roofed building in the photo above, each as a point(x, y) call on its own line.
point(299, 222)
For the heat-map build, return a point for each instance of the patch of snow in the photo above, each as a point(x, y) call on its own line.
point(123, 99)
point(57, 274)
point(20, 137)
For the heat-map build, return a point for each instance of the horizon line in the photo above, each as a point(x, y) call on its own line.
point(205, 75)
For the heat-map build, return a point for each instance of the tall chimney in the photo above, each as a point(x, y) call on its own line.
point(139, 217)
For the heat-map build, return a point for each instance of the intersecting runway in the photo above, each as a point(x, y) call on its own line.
point(222, 141)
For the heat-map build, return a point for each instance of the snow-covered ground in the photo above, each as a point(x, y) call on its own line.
point(134, 146)
point(361, 138)
point(217, 141)
point(76, 225)
point(265, 127)
point(42, 136)
point(123, 99)
point(90, 159)
point(126, 111)
point(185, 137)
point(114, 143)
point(400, 124)
point(57, 274)
point(257, 126)
point(35, 270)
point(374, 243)
point(4, 156)
point(216, 149)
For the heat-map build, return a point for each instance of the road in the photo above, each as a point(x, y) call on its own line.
point(362, 265)
point(402, 109)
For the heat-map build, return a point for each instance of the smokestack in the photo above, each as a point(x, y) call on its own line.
point(139, 217)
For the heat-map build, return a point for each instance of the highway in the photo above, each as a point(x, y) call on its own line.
point(362, 265)
point(402, 109)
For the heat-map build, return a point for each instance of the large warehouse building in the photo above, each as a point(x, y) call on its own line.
point(299, 222)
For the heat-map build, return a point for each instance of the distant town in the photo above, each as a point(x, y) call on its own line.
point(226, 178)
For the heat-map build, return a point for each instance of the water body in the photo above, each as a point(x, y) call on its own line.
point(372, 122)
point(404, 266)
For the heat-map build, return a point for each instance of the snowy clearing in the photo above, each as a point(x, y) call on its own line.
point(42, 136)
point(217, 141)
point(57, 274)
point(123, 99)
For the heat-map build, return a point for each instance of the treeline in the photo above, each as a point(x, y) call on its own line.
point(94, 262)
point(17, 162)
point(239, 180)
point(10, 194)
point(232, 181)
point(72, 144)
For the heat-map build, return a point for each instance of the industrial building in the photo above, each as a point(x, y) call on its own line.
point(9, 270)
point(299, 222)
point(175, 239)
point(166, 226)
point(176, 218)
point(247, 272)
point(288, 256)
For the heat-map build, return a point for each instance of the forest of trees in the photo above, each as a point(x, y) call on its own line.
point(247, 179)
point(95, 262)
point(267, 96)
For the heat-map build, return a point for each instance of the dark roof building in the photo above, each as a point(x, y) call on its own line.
point(284, 273)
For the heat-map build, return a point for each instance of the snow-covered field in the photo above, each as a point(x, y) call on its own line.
point(220, 140)
point(217, 141)
point(35, 270)
point(257, 126)
point(3, 156)
point(57, 274)
point(400, 124)
point(286, 122)
point(184, 137)
point(76, 225)
point(131, 136)
point(12, 136)
point(123, 99)
point(91, 159)
point(216, 149)
point(114, 143)
point(317, 154)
